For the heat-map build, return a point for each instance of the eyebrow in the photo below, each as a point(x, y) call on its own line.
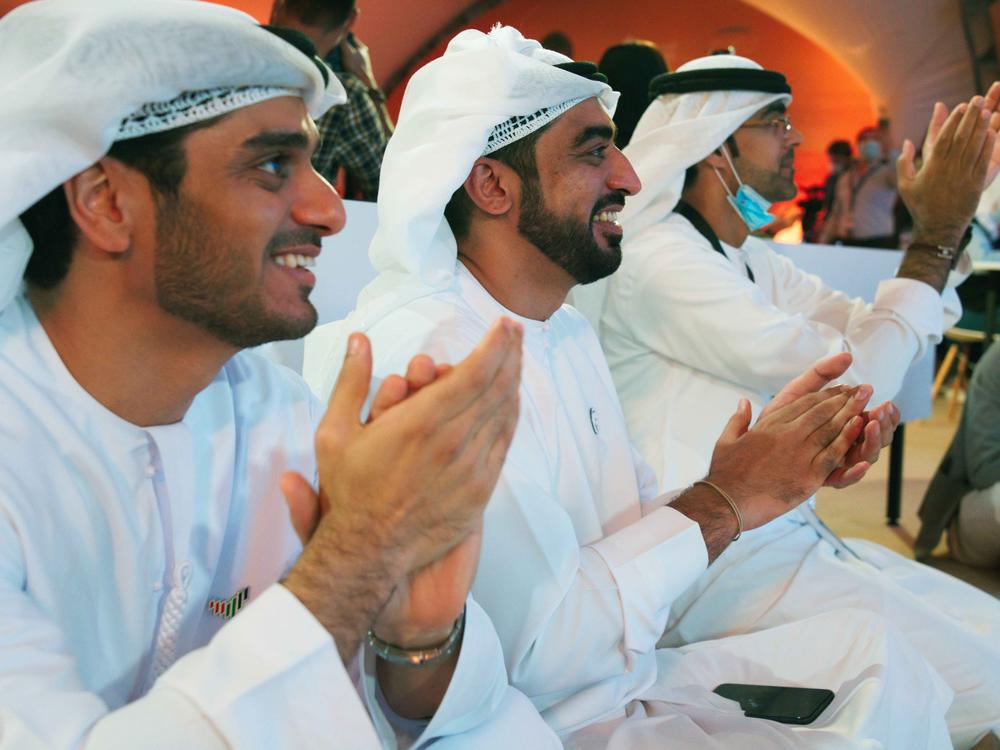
point(276, 139)
point(593, 131)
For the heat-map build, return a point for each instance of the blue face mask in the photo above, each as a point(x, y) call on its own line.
point(748, 203)
point(870, 150)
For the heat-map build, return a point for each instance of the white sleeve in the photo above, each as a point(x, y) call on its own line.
point(538, 584)
point(479, 708)
point(693, 307)
point(272, 677)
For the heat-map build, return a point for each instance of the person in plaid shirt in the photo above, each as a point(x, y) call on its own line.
point(352, 136)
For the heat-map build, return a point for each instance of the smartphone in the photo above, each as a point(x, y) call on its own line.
point(789, 705)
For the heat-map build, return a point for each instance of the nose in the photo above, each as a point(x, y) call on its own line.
point(795, 137)
point(622, 176)
point(318, 205)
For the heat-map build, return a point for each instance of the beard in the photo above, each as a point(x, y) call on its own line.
point(205, 280)
point(566, 241)
point(771, 185)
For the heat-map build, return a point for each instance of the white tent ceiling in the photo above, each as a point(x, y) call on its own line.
point(909, 52)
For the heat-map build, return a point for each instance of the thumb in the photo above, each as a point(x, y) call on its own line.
point(303, 504)
point(906, 168)
point(351, 389)
point(737, 425)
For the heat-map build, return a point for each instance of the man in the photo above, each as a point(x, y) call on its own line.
point(701, 315)
point(964, 494)
point(840, 155)
point(864, 200)
point(581, 560)
point(152, 592)
point(353, 135)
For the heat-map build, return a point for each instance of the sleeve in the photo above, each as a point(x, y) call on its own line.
point(351, 136)
point(982, 422)
point(272, 677)
point(539, 584)
point(479, 708)
point(694, 308)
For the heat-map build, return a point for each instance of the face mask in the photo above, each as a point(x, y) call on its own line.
point(870, 150)
point(748, 203)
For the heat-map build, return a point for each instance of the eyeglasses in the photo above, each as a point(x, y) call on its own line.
point(780, 126)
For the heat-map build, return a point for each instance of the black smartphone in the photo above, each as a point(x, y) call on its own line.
point(789, 705)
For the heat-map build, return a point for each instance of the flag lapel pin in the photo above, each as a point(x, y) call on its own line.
point(227, 608)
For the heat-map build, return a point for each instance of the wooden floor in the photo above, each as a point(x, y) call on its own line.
point(859, 511)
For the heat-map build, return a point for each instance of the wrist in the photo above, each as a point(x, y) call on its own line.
point(945, 236)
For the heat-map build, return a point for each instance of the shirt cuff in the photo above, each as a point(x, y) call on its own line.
point(474, 694)
point(273, 677)
point(917, 303)
point(653, 561)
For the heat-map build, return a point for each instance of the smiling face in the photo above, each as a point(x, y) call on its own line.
point(766, 158)
point(570, 211)
point(234, 247)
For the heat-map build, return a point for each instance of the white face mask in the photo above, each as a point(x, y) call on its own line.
point(751, 206)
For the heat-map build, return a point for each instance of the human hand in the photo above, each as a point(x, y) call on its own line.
point(789, 453)
point(423, 608)
point(879, 427)
point(384, 520)
point(357, 60)
point(960, 154)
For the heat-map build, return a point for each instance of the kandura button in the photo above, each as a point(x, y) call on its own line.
point(595, 425)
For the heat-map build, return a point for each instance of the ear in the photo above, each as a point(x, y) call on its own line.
point(492, 186)
point(717, 160)
point(96, 199)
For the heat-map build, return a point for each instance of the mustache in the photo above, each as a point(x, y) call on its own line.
point(614, 198)
point(292, 238)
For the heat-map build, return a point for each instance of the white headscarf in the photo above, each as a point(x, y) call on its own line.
point(679, 130)
point(72, 70)
point(450, 108)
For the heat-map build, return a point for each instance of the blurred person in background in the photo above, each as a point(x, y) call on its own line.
point(559, 42)
point(863, 210)
point(629, 67)
point(963, 498)
point(353, 136)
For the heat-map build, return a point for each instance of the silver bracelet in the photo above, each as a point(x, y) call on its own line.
point(418, 657)
point(732, 504)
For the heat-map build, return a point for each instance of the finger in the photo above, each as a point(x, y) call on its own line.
point(973, 131)
point(816, 377)
point(970, 128)
point(442, 370)
point(938, 117)
point(393, 390)
point(993, 97)
point(303, 504)
point(906, 168)
point(833, 455)
point(845, 477)
point(946, 138)
point(826, 420)
point(470, 380)
point(737, 425)
point(795, 409)
point(351, 389)
point(871, 444)
point(420, 372)
point(981, 167)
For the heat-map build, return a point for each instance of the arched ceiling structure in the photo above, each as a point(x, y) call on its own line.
point(844, 58)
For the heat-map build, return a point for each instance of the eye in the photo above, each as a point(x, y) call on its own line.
point(275, 165)
point(598, 152)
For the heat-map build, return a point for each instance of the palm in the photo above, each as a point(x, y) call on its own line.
point(432, 598)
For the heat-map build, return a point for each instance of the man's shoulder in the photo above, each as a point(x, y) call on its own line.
point(249, 375)
point(441, 325)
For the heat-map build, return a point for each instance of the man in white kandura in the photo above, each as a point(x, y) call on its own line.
point(157, 197)
point(701, 315)
point(500, 190)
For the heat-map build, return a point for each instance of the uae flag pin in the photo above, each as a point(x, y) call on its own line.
point(227, 608)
